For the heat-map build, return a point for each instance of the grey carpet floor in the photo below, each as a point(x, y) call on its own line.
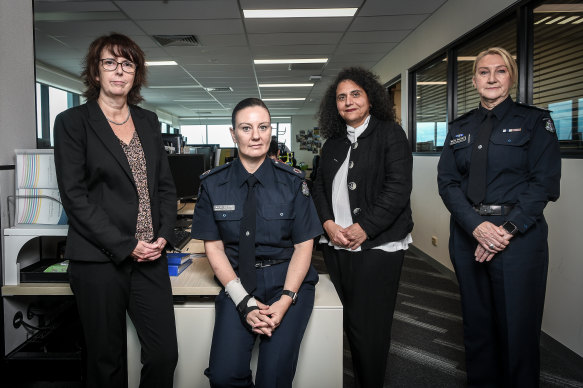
point(427, 344)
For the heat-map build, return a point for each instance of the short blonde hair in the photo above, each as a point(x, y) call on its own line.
point(506, 57)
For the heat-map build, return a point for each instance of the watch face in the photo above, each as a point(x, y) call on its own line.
point(509, 227)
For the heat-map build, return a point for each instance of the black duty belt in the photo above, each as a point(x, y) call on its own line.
point(493, 210)
point(262, 263)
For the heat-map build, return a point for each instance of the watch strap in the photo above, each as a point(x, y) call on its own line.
point(291, 294)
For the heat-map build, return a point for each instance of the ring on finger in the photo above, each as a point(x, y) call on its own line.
point(491, 246)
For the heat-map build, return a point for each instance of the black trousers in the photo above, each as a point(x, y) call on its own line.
point(233, 342)
point(104, 292)
point(367, 284)
point(502, 304)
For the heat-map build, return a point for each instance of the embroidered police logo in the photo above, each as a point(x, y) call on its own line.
point(305, 190)
point(549, 126)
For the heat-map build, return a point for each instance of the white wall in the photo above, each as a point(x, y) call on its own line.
point(17, 104)
point(302, 123)
point(563, 318)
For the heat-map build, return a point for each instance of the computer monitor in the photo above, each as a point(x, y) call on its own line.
point(186, 170)
point(208, 150)
point(172, 142)
point(224, 155)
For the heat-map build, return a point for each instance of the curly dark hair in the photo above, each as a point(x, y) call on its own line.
point(120, 46)
point(330, 122)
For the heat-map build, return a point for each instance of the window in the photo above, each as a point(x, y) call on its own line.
point(220, 134)
point(558, 69)
point(194, 134)
point(503, 36)
point(283, 133)
point(430, 115)
point(50, 102)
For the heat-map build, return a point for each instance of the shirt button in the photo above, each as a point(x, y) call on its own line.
point(247, 233)
point(355, 145)
point(480, 147)
point(352, 185)
point(351, 164)
point(356, 211)
point(281, 214)
point(224, 215)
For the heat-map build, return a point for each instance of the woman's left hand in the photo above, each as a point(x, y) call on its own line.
point(277, 311)
point(148, 251)
point(355, 235)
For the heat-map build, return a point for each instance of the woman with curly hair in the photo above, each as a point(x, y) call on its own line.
point(362, 197)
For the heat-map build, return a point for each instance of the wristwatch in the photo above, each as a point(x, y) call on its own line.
point(510, 227)
point(291, 294)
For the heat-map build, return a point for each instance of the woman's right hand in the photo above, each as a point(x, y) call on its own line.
point(145, 251)
point(490, 237)
point(261, 323)
point(334, 232)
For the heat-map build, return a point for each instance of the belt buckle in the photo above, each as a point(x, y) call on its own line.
point(262, 264)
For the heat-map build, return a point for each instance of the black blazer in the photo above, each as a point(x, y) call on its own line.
point(381, 172)
point(97, 186)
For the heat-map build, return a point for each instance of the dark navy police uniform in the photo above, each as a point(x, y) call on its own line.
point(502, 300)
point(285, 216)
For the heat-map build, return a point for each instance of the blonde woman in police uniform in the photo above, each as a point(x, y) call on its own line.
point(499, 167)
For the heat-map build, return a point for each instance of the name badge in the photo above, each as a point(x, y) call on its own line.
point(223, 208)
point(457, 140)
point(512, 130)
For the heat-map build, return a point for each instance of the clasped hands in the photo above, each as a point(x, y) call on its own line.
point(350, 237)
point(148, 251)
point(268, 317)
point(491, 240)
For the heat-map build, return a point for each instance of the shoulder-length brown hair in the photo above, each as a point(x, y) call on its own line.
point(330, 122)
point(120, 46)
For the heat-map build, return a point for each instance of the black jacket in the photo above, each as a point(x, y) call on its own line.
point(97, 186)
point(379, 179)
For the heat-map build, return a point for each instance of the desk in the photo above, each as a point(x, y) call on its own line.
point(320, 361)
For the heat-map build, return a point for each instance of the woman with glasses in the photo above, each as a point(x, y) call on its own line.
point(118, 192)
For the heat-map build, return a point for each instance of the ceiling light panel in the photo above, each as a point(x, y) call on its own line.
point(288, 61)
point(306, 85)
point(299, 13)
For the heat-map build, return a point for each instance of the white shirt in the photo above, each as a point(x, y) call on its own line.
point(341, 201)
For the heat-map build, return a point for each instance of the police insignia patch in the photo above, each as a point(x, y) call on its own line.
point(305, 190)
point(549, 125)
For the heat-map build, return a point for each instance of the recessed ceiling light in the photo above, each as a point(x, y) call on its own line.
point(299, 13)
point(161, 63)
point(432, 83)
point(284, 99)
point(288, 61)
point(307, 85)
point(175, 87)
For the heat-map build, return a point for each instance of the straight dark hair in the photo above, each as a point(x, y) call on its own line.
point(120, 46)
point(246, 103)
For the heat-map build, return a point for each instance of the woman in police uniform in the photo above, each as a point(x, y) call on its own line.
point(257, 220)
point(499, 167)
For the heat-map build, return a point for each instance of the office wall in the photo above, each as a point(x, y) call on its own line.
point(302, 123)
point(17, 104)
point(563, 318)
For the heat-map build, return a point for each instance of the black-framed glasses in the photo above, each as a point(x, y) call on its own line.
point(110, 64)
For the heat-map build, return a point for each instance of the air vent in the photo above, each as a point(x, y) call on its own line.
point(176, 40)
point(204, 113)
point(220, 89)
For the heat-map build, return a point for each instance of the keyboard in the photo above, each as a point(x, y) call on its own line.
point(181, 238)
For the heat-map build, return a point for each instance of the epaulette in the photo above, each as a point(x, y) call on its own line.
point(533, 107)
point(287, 168)
point(212, 171)
point(464, 115)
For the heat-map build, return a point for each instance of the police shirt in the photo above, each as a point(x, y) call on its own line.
point(524, 164)
point(286, 214)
